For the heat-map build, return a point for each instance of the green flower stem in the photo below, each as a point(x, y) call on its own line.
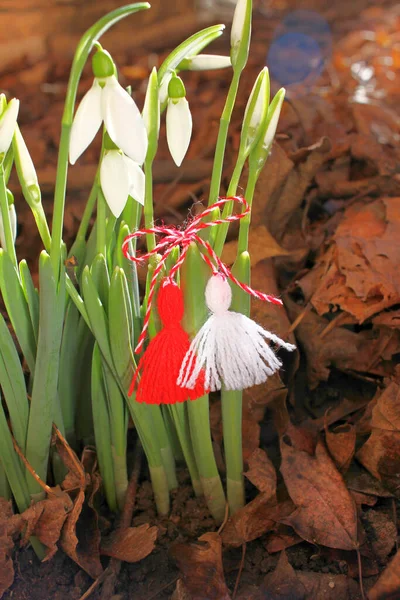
point(162, 434)
point(222, 230)
point(81, 55)
point(244, 225)
point(6, 219)
point(194, 276)
point(88, 211)
point(232, 400)
point(148, 204)
point(222, 137)
point(101, 224)
point(180, 418)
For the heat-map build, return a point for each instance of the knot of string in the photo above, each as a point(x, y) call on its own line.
point(172, 237)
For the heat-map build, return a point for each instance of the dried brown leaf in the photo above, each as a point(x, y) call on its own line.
point(256, 518)
point(261, 472)
point(45, 519)
point(388, 585)
point(132, 544)
point(284, 537)
point(381, 452)
point(201, 567)
point(80, 537)
point(283, 583)
point(360, 270)
point(287, 584)
point(382, 533)
point(326, 513)
point(341, 443)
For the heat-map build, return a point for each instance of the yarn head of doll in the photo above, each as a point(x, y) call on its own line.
point(218, 294)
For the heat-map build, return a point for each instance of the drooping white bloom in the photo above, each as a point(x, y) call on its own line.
point(13, 223)
point(179, 128)
point(232, 349)
point(121, 177)
point(108, 101)
point(204, 62)
point(8, 121)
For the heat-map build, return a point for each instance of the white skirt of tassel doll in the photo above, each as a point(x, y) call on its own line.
point(233, 351)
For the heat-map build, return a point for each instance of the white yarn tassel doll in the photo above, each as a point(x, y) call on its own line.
point(232, 349)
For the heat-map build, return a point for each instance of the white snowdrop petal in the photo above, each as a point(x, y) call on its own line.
point(8, 122)
point(115, 181)
point(136, 179)
point(123, 121)
point(87, 121)
point(203, 62)
point(179, 129)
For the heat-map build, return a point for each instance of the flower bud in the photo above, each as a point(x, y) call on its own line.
point(256, 111)
point(241, 33)
point(260, 152)
point(8, 121)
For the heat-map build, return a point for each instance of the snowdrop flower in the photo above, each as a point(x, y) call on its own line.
point(8, 121)
point(120, 177)
point(179, 120)
point(108, 102)
point(13, 222)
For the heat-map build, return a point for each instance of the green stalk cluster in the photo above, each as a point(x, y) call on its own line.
point(77, 333)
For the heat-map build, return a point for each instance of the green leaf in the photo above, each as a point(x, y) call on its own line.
point(12, 382)
point(17, 309)
point(12, 465)
point(31, 296)
point(44, 408)
point(70, 370)
point(121, 327)
point(190, 47)
point(101, 278)
point(96, 313)
point(102, 432)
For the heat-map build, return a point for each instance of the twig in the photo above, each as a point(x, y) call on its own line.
point(394, 511)
point(226, 517)
point(240, 571)
point(360, 573)
point(31, 470)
